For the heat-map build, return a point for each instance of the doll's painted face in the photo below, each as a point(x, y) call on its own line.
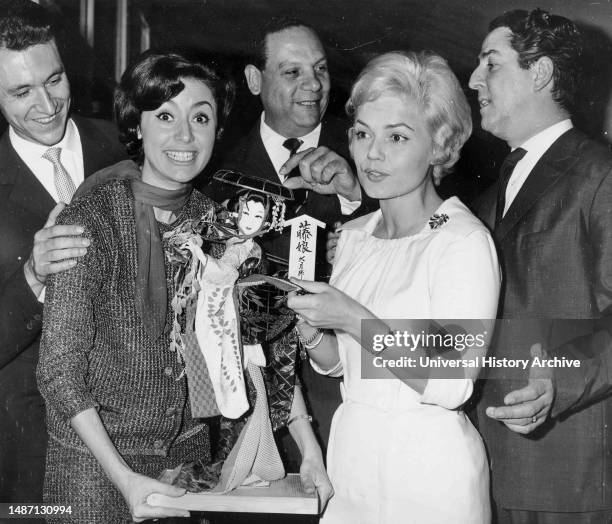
point(251, 218)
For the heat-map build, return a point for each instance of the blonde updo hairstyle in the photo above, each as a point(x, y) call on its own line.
point(425, 77)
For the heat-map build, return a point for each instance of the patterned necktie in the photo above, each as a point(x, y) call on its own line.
point(63, 182)
point(299, 195)
point(505, 172)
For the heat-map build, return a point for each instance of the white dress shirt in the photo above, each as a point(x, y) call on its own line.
point(279, 154)
point(71, 157)
point(536, 146)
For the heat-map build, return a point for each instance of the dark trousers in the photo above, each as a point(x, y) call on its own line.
point(23, 433)
point(513, 516)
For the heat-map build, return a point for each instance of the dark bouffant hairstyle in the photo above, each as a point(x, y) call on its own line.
point(538, 33)
point(247, 195)
point(24, 24)
point(155, 78)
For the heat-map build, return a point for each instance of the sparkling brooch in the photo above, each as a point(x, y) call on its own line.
point(437, 221)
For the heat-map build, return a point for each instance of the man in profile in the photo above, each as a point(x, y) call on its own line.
point(551, 216)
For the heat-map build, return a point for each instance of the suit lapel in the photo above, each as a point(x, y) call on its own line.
point(95, 155)
point(24, 189)
point(555, 162)
point(257, 157)
point(485, 206)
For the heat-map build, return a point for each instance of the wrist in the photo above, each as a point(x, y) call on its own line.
point(352, 192)
point(300, 428)
point(301, 416)
point(123, 478)
point(33, 280)
point(351, 321)
point(311, 451)
point(311, 338)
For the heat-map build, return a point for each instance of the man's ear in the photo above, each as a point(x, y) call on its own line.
point(542, 70)
point(253, 78)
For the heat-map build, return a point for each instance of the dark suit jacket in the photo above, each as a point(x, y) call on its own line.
point(249, 156)
point(24, 207)
point(555, 246)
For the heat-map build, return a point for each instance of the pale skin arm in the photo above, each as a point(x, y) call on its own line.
point(325, 355)
point(312, 470)
point(323, 171)
point(326, 307)
point(134, 487)
point(534, 400)
point(55, 249)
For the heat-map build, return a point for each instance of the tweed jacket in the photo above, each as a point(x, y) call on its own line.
point(95, 351)
point(555, 247)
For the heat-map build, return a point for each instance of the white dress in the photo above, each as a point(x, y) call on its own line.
point(396, 456)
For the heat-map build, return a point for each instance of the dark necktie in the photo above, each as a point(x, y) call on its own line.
point(293, 144)
point(505, 172)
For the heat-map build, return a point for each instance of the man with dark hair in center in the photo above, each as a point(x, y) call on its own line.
point(295, 138)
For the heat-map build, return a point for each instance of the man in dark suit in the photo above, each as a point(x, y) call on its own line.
point(551, 214)
point(35, 100)
point(289, 72)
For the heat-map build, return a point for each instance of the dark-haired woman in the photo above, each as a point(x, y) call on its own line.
point(116, 395)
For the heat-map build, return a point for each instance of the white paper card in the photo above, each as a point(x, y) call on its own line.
point(303, 248)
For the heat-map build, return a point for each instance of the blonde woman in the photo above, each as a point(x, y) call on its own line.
point(402, 450)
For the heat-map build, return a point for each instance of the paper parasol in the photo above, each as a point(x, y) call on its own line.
point(268, 187)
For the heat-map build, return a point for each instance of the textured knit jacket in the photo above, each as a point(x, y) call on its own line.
point(95, 351)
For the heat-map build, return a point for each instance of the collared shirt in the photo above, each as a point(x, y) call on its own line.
point(279, 154)
point(71, 157)
point(536, 146)
point(273, 142)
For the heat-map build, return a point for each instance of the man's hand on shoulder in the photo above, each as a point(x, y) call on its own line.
point(324, 171)
point(56, 248)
